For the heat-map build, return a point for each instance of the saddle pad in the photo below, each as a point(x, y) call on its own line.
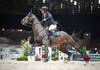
point(56, 34)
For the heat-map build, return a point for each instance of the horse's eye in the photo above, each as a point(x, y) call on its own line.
point(25, 18)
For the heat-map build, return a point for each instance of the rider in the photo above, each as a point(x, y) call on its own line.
point(48, 20)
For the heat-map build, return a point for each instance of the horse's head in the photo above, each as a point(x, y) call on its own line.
point(28, 19)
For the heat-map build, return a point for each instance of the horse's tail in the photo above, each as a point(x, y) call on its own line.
point(76, 36)
point(81, 49)
point(76, 44)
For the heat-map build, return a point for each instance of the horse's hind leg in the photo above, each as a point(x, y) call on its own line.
point(77, 47)
point(64, 50)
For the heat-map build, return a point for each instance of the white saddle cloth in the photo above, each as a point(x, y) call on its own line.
point(52, 27)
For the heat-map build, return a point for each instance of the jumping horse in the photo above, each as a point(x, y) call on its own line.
point(62, 42)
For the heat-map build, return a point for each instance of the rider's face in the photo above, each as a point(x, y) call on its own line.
point(42, 11)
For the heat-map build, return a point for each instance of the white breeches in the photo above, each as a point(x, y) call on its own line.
point(52, 27)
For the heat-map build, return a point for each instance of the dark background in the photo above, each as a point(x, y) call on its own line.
point(70, 23)
point(83, 19)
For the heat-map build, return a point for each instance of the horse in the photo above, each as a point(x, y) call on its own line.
point(62, 42)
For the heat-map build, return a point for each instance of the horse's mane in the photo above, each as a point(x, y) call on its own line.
point(36, 19)
point(36, 24)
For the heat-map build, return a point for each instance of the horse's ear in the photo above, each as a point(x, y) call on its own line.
point(29, 14)
point(31, 11)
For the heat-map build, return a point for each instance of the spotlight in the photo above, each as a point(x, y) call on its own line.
point(99, 1)
point(71, 1)
point(87, 34)
point(75, 3)
point(3, 29)
point(95, 48)
point(20, 30)
point(44, 1)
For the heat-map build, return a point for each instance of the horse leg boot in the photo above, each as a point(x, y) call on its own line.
point(45, 43)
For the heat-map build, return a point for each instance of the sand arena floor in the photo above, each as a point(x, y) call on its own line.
point(51, 65)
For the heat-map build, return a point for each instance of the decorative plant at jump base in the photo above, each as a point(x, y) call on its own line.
point(25, 47)
point(84, 54)
point(55, 56)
